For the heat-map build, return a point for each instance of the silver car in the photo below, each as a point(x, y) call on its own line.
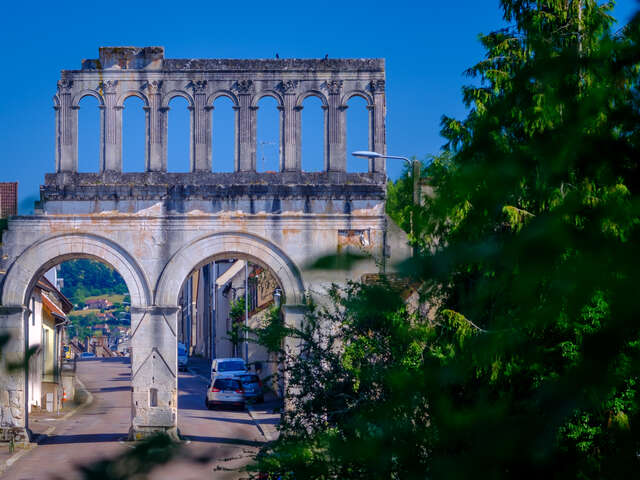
point(252, 386)
point(225, 391)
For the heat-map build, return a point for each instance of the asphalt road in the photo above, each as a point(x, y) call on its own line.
point(217, 442)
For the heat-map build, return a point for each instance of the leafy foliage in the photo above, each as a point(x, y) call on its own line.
point(529, 251)
point(85, 278)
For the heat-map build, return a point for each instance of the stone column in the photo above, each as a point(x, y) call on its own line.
point(13, 385)
point(200, 134)
point(111, 147)
point(377, 133)
point(336, 156)
point(56, 132)
point(163, 119)
point(66, 150)
point(246, 143)
point(154, 367)
point(297, 116)
point(289, 128)
point(155, 132)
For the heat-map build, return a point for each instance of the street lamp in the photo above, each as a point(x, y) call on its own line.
point(414, 169)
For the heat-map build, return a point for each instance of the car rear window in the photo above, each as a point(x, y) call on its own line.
point(230, 366)
point(248, 378)
point(227, 384)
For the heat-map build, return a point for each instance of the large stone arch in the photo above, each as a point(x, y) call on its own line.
point(44, 254)
point(228, 243)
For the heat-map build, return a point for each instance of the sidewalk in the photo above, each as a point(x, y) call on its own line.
point(265, 415)
point(41, 424)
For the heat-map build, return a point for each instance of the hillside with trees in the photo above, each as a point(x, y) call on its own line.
point(87, 280)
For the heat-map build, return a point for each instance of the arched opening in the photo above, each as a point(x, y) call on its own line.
point(313, 135)
point(223, 135)
point(357, 130)
point(179, 136)
point(133, 135)
point(89, 134)
point(268, 135)
point(218, 301)
point(78, 327)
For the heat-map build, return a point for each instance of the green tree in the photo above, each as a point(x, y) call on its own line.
point(535, 233)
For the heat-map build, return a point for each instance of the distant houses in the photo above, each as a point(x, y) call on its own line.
point(97, 304)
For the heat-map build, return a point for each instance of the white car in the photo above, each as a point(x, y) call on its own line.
point(228, 367)
point(183, 356)
point(225, 391)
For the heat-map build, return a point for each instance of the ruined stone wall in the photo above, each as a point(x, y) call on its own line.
point(121, 72)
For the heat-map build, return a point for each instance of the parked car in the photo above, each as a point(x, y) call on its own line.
point(183, 356)
point(87, 356)
point(252, 386)
point(228, 367)
point(225, 391)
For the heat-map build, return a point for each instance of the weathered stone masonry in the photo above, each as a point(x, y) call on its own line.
point(155, 227)
point(121, 72)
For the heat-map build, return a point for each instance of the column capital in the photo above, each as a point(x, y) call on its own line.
point(198, 86)
point(64, 85)
point(243, 87)
point(287, 87)
point(334, 86)
point(377, 86)
point(153, 87)
point(108, 86)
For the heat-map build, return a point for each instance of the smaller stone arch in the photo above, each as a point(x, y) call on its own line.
point(44, 254)
point(176, 93)
point(356, 93)
point(243, 245)
point(223, 93)
point(56, 102)
point(312, 93)
point(267, 93)
point(75, 102)
point(132, 93)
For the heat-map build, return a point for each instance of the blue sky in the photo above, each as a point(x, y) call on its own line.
point(427, 45)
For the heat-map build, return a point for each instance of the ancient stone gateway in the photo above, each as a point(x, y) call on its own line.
point(154, 227)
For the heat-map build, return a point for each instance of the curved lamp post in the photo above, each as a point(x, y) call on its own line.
point(414, 169)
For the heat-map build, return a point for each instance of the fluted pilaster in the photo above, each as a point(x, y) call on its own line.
point(201, 137)
point(246, 142)
point(377, 126)
point(68, 121)
point(289, 130)
point(336, 158)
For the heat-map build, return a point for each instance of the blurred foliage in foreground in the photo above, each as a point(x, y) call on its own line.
point(530, 252)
